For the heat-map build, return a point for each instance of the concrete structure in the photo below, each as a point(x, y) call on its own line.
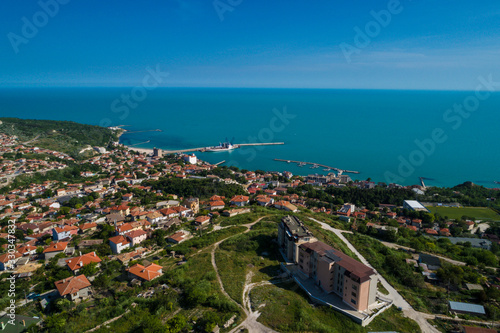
point(333, 271)
point(414, 205)
point(291, 233)
point(193, 204)
point(157, 152)
point(191, 159)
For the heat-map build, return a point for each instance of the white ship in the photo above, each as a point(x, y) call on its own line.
point(223, 146)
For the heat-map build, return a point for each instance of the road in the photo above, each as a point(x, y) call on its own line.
point(399, 301)
point(397, 247)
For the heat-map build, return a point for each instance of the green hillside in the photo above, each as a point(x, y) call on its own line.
point(64, 136)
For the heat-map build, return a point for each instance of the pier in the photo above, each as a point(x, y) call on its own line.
point(316, 165)
point(238, 145)
point(155, 130)
point(140, 143)
point(221, 162)
point(422, 182)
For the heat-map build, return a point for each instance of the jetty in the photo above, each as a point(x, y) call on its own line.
point(221, 162)
point(316, 165)
point(140, 143)
point(422, 182)
point(155, 130)
point(238, 145)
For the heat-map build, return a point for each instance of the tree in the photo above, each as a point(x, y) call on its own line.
point(89, 269)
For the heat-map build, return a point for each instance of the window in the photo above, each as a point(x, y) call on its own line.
point(353, 294)
point(354, 287)
point(353, 301)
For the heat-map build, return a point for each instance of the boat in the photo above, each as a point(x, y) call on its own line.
point(223, 146)
point(496, 182)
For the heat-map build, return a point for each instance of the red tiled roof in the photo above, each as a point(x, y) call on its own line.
point(55, 247)
point(119, 240)
point(147, 273)
point(239, 198)
point(72, 284)
point(136, 233)
point(79, 262)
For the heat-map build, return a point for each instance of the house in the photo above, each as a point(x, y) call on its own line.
point(75, 264)
point(112, 218)
point(123, 210)
point(123, 229)
point(178, 237)
point(154, 217)
point(216, 205)
point(432, 262)
point(470, 225)
point(127, 197)
point(74, 287)
point(118, 244)
point(202, 220)
point(239, 200)
point(87, 227)
point(54, 249)
point(136, 236)
point(29, 226)
point(64, 232)
point(145, 273)
point(26, 250)
point(182, 211)
point(285, 205)
point(235, 211)
point(8, 260)
point(125, 258)
point(265, 201)
point(414, 205)
point(466, 308)
point(416, 223)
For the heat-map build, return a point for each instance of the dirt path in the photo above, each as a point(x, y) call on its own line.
point(107, 322)
point(250, 322)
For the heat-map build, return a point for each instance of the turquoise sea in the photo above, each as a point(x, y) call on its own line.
point(371, 131)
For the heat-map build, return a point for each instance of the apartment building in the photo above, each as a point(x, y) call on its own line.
point(336, 272)
point(292, 232)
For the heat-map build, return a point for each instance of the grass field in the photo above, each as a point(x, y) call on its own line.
point(285, 308)
point(479, 213)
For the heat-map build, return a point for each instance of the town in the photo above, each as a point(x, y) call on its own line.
point(97, 243)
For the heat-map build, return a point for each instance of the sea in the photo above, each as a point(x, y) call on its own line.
point(392, 136)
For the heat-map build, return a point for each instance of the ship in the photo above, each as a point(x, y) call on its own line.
point(223, 146)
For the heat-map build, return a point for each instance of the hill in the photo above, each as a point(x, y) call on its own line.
point(64, 136)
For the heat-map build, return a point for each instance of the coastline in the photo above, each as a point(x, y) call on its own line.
point(147, 151)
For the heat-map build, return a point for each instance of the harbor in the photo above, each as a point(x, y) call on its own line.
point(222, 147)
point(317, 165)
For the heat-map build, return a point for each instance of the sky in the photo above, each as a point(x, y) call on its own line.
point(347, 44)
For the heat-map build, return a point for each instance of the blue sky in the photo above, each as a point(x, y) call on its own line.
point(428, 44)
